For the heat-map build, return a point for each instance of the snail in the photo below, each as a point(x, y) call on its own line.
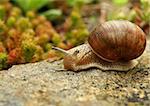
point(113, 45)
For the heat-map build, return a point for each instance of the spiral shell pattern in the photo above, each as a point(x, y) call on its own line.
point(117, 40)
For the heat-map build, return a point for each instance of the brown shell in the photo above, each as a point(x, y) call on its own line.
point(117, 41)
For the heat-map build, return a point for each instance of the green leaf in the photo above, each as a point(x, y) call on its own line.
point(77, 2)
point(28, 5)
point(52, 14)
point(120, 2)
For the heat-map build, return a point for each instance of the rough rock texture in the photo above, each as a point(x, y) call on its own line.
point(44, 84)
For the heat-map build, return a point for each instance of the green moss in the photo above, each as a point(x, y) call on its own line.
point(23, 24)
point(78, 32)
point(2, 12)
point(16, 12)
point(11, 21)
point(30, 14)
point(3, 29)
point(28, 49)
point(3, 61)
point(56, 39)
point(47, 47)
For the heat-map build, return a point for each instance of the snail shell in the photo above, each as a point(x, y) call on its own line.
point(117, 41)
point(114, 45)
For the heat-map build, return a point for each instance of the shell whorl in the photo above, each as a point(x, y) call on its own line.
point(117, 40)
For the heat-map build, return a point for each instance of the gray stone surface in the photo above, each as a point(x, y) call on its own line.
point(43, 84)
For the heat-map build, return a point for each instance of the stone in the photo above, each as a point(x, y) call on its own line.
point(45, 84)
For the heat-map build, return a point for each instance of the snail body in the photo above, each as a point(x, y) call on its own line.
point(85, 59)
point(114, 45)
